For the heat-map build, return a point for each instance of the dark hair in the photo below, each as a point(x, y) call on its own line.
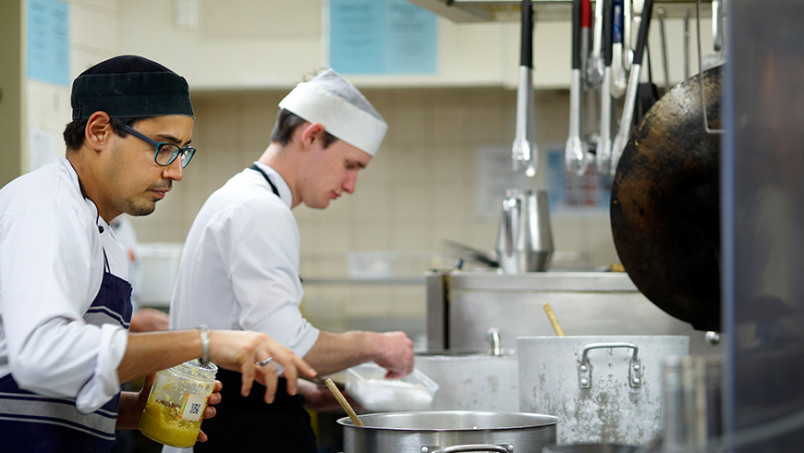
point(286, 124)
point(74, 131)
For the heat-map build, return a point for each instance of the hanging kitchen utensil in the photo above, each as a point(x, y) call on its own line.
point(665, 216)
point(647, 93)
point(619, 77)
point(686, 45)
point(575, 151)
point(590, 97)
point(661, 13)
point(633, 82)
point(524, 152)
point(603, 151)
point(586, 36)
point(595, 65)
point(628, 51)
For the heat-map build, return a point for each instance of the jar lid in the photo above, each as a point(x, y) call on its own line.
point(195, 369)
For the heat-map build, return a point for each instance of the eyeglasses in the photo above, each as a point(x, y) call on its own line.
point(166, 152)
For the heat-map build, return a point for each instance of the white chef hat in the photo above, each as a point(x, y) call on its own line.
point(343, 111)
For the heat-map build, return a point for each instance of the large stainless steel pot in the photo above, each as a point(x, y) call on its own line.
point(472, 381)
point(602, 388)
point(591, 448)
point(449, 431)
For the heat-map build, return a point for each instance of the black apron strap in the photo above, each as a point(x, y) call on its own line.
point(265, 175)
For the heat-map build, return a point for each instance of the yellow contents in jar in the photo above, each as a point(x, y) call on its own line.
point(161, 422)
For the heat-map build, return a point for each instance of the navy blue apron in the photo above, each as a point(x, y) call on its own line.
point(33, 423)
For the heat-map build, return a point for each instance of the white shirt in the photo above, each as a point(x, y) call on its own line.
point(240, 264)
point(51, 267)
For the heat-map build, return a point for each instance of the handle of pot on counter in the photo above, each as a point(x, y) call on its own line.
point(466, 448)
point(585, 368)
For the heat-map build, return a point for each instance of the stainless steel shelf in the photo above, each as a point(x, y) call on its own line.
point(545, 10)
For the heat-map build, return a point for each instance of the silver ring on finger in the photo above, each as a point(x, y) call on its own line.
point(265, 362)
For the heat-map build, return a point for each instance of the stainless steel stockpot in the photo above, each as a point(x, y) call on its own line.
point(602, 388)
point(472, 382)
point(449, 431)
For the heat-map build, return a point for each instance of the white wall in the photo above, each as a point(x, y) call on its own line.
point(94, 28)
point(273, 43)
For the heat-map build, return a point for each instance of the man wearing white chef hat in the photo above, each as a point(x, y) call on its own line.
point(240, 264)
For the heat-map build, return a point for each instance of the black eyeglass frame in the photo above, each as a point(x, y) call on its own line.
point(186, 153)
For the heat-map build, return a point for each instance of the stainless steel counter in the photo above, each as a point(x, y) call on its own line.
point(462, 306)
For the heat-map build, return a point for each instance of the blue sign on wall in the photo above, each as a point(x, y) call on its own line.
point(48, 47)
point(381, 37)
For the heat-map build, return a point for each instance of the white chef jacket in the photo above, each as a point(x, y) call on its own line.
point(240, 264)
point(51, 267)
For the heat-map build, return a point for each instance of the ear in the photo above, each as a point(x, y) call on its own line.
point(311, 132)
point(98, 131)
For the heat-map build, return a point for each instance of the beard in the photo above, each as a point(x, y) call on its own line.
point(135, 207)
point(139, 209)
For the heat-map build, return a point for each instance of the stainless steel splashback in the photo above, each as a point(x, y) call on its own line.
point(462, 306)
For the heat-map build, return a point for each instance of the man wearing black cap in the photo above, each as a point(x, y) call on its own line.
point(64, 302)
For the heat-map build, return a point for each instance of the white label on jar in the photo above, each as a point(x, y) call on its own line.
point(193, 407)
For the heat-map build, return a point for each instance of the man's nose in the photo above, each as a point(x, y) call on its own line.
point(174, 171)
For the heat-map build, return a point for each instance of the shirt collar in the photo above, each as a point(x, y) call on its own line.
point(284, 190)
point(65, 163)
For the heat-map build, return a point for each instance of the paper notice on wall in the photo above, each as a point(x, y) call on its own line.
point(43, 148)
point(48, 41)
point(381, 37)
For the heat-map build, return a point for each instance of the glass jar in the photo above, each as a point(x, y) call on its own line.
point(175, 407)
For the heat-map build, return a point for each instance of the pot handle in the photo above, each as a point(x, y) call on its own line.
point(477, 447)
point(585, 368)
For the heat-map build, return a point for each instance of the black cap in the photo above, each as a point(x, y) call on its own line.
point(129, 86)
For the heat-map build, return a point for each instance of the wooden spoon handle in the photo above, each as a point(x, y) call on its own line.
point(344, 404)
point(553, 320)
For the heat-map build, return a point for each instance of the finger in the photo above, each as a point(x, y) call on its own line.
point(202, 436)
point(214, 398)
point(247, 369)
point(210, 412)
point(288, 359)
point(149, 381)
point(291, 375)
point(270, 378)
point(265, 362)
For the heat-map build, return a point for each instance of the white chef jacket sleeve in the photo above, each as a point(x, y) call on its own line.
point(50, 277)
point(262, 241)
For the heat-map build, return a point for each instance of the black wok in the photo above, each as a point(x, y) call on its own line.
point(665, 210)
